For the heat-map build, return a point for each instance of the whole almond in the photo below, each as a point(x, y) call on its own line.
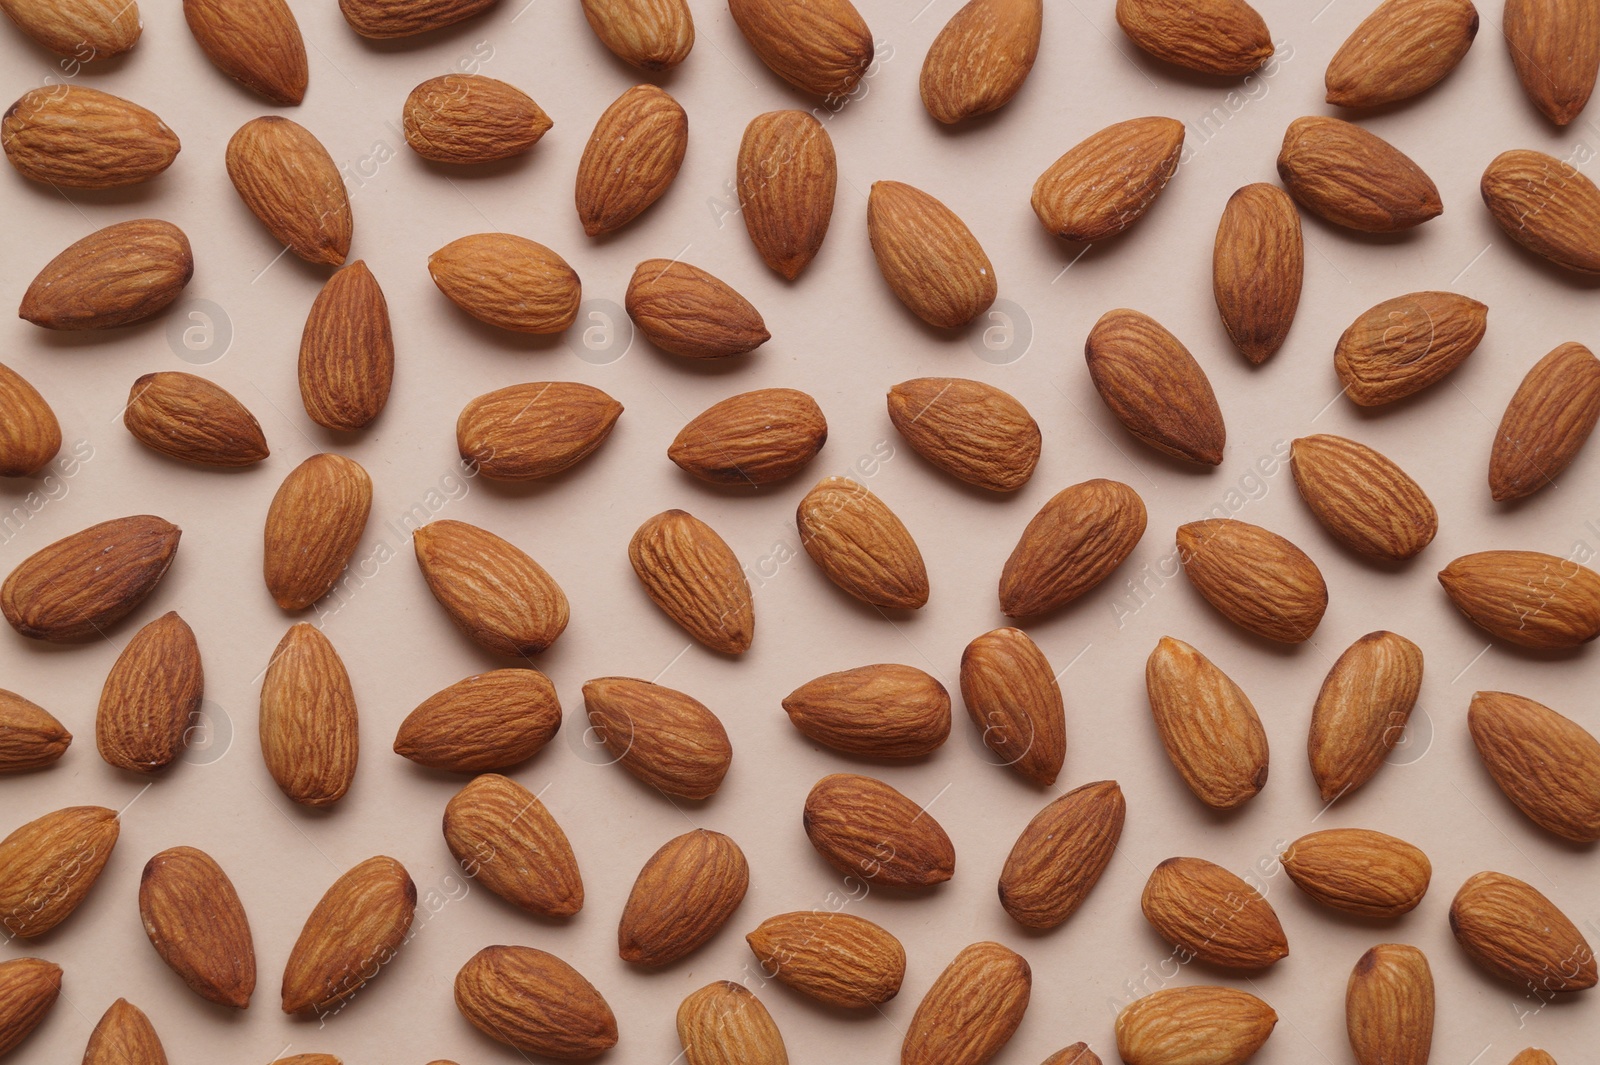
point(1514, 932)
point(1533, 1056)
point(819, 46)
point(1545, 205)
point(1060, 856)
point(1209, 727)
point(1554, 410)
point(877, 711)
point(468, 118)
point(753, 438)
point(1194, 1025)
point(313, 527)
point(82, 138)
point(684, 310)
point(787, 177)
point(1205, 911)
point(1075, 541)
point(861, 545)
point(30, 435)
point(1362, 710)
point(151, 697)
point(1526, 597)
point(193, 420)
point(1255, 578)
point(83, 584)
point(197, 924)
point(972, 1009)
point(667, 739)
point(650, 34)
point(492, 590)
point(536, 1003)
point(1362, 498)
point(255, 42)
point(1556, 49)
point(82, 30)
point(928, 256)
point(290, 183)
point(539, 429)
point(970, 430)
point(723, 1023)
point(694, 577)
point(1108, 180)
point(493, 720)
point(347, 351)
point(1407, 343)
point(354, 931)
point(1359, 871)
point(1388, 1006)
point(1257, 266)
point(505, 839)
point(1353, 178)
point(868, 830)
point(48, 865)
point(388, 19)
point(508, 281)
point(1403, 48)
point(29, 988)
point(309, 726)
point(115, 276)
point(1015, 703)
point(1547, 764)
point(30, 737)
point(124, 1036)
point(1222, 37)
point(981, 58)
point(1155, 387)
point(632, 156)
point(683, 896)
point(1076, 1054)
point(833, 957)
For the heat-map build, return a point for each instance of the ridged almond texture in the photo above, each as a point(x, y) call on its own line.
point(632, 156)
point(1208, 725)
point(1204, 910)
point(347, 351)
point(1533, 1056)
point(818, 46)
point(1545, 205)
point(695, 578)
point(1076, 1054)
point(84, 30)
point(1359, 871)
point(1227, 38)
point(1075, 541)
point(833, 957)
point(1257, 267)
point(928, 256)
point(536, 1003)
point(753, 438)
point(1527, 598)
point(1546, 423)
point(1195, 1025)
point(116, 276)
point(469, 118)
point(724, 1023)
point(650, 34)
point(539, 429)
point(193, 420)
point(970, 430)
point(1108, 180)
point(1060, 856)
point(151, 697)
point(389, 19)
point(353, 933)
point(309, 726)
point(1255, 578)
point(78, 137)
point(124, 1036)
point(1154, 386)
point(29, 988)
point(1407, 343)
point(972, 1009)
point(290, 183)
point(1555, 47)
point(667, 739)
point(492, 590)
point(683, 896)
point(866, 829)
point(1361, 711)
point(1514, 932)
point(493, 720)
point(48, 865)
point(1403, 48)
point(82, 584)
point(505, 839)
point(255, 42)
point(313, 527)
point(197, 925)
point(31, 737)
point(30, 435)
point(1547, 764)
point(1362, 498)
point(1354, 178)
point(1015, 703)
point(787, 177)
point(981, 58)
point(877, 711)
point(1388, 1006)
point(685, 310)
point(508, 281)
point(861, 545)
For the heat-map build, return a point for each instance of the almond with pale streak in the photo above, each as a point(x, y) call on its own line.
point(504, 838)
point(1407, 343)
point(632, 156)
point(1511, 930)
point(972, 1010)
point(1547, 206)
point(82, 138)
point(81, 30)
point(724, 1023)
point(356, 929)
point(650, 34)
point(981, 58)
point(1527, 598)
point(1195, 1025)
point(833, 957)
point(48, 865)
point(1208, 912)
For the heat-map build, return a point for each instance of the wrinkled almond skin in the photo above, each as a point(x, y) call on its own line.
point(1076, 1054)
point(1407, 343)
point(505, 839)
point(1255, 578)
point(255, 42)
point(197, 925)
point(1257, 268)
point(309, 726)
point(1194, 1025)
point(82, 138)
point(1362, 710)
point(1514, 932)
point(29, 988)
point(861, 545)
point(754, 438)
point(970, 430)
point(650, 34)
point(1108, 181)
point(193, 420)
point(694, 577)
point(313, 527)
point(819, 46)
point(877, 711)
point(116, 276)
point(1075, 541)
point(347, 351)
point(30, 435)
point(493, 720)
point(355, 930)
point(1061, 854)
point(928, 256)
point(1353, 178)
point(1555, 47)
point(1015, 703)
point(685, 310)
point(724, 1023)
point(972, 1009)
point(492, 590)
point(1527, 598)
point(981, 58)
point(388, 19)
point(1362, 498)
point(48, 865)
point(632, 156)
point(508, 281)
point(787, 177)
point(30, 737)
point(124, 1036)
point(1545, 205)
point(84, 30)
point(1154, 386)
point(539, 429)
point(290, 183)
point(535, 1002)
point(1403, 48)
point(150, 697)
point(1204, 910)
point(866, 829)
point(82, 584)
point(1388, 1006)
point(833, 957)
point(1554, 410)
point(1223, 37)
point(667, 739)
point(1533, 1056)
point(468, 118)
point(1359, 871)
point(683, 896)
point(1209, 727)
point(1547, 764)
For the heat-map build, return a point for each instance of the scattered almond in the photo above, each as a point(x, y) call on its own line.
point(347, 351)
point(197, 924)
point(504, 838)
point(667, 739)
point(1255, 578)
point(151, 697)
point(1207, 912)
point(754, 438)
point(82, 30)
point(877, 711)
point(1545, 205)
point(1076, 1054)
point(82, 584)
point(468, 118)
point(723, 1023)
point(30, 435)
point(1555, 47)
point(981, 58)
point(632, 156)
point(1257, 266)
point(1362, 498)
point(30, 737)
point(787, 176)
point(1533, 1056)
point(1362, 710)
point(1526, 597)
point(1222, 37)
point(1403, 48)
point(819, 46)
point(683, 896)
point(972, 1009)
point(313, 527)
point(1209, 727)
point(1547, 764)
point(1353, 178)
point(1512, 931)
point(388, 19)
point(116, 276)
point(82, 138)
point(29, 988)
point(1193, 1025)
point(508, 281)
point(650, 34)
point(1108, 181)
point(492, 590)
point(1407, 343)
point(868, 830)
point(1388, 1006)
point(1015, 703)
point(1075, 541)
point(1359, 871)
point(354, 931)
point(536, 1003)
point(290, 183)
point(309, 726)
point(861, 545)
point(833, 957)
point(255, 42)
point(1155, 387)
point(970, 430)
point(124, 1036)
point(684, 310)
point(694, 577)
point(1060, 856)
point(928, 256)
point(48, 865)
point(493, 720)
point(539, 429)
point(1554, 410)
point(193, 420)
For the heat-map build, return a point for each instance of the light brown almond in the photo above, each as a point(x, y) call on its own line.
point(116, 276)
point(981, 58)
point(861, 545)
point(867, 830)
point(1015, 703)
point(353, 933)
point(197, 924)
point(389, 19)
point(1388, 1006)
point(1155, 387)
point(1255, 578)
point(819, 46)
point(1546, 205)
point(1547, 764)
point(694, 577)
point(1075, 541)
point(682, 309)
point(1555, 47)
point(632, 156)
point(124, 1036)
point(1533, 1056)
point(1195, 1025)
point(493, 720)
point(48, 865)
point(255, 42)
point(193, 420)
point(972, 1009)
point(970, 430)
point(504, 838)
point(1222, 37)
point(313, 528)
point(724, 1023)
point(508, 281)
point(1554, 410)
point(683, 896)
point(1208, 725)
point(347, 351)
point(536, 1003)
point(309, 726)
point(29, 988)
point(539, 429)
point(1108, 180)
point(753, 438)
point(1527, 598)
point(928, 256)
point(81, 30)
point(1353, 178)
point(667, 739)
point(81, 585)
point(30, 737)
point(465, 119)
point(1362, 710)
point(1257, 267)
point(1359, 871)
point(82, 138)
point(290, 183)
point(30, 435)
point(787, 177)
point(1061, 854)
point(1209, 913)
point(877, 711)
point(1514, 932)
point(650, 34)
point(1362, 498)
point(492, 590)
point(151, 697)
point(1403, 48)
point(833, 957)
point(1407, 343)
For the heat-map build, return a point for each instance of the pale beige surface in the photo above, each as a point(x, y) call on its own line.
point(838, 334)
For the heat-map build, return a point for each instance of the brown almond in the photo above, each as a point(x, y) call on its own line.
point(632, 156)
point(1155, 387)
point(877, 711)
point(309, 726)
point(868, 830)
point(48, 865)
point(539, 429)
point(347, 351)
point(1061, 854)
point(1555, 47)
point(30, 435)
point(1194, 1024)
point(29, 988)
point(353, 933)
point(1527, 598)
point(116, 276)
point(1015, 703)
point(724, 1023)
point(536, 1003)
point(81, 30)
point(1359, 871)
point(255, 42)
point(928, 256)
point(861, 545)
point(819, 46)
point(1514, 932)
point(1388, 1006)
point(508, 281)
point(667, 739)
point(970, 430)
point(981, 58)
point(504, 838)
point(1546, 205)
point(1362, 710)
point(1403, 48)
point(382, 20)
point(1222, 37)
point(290, 183)
point(1362, 498)
point(1353, 178)
point(83, 584)
point(1257, 267)
point(1208, 725)
point(694, 577)
point(833, 957)
point(82, 138)
point(313, 527)
point(492, 590)
point(685, 310)
point(124, 1036)
point(1407, 343)
point(1076, 1054)
point(465, 119)
point(151, 697)
point(309, 1059)
point(683, 896)
point(30, 737)
point(972, 1009)
point(1533, 1056)
point(197, 924)
point(1546, 423)
point(1547, 764)
point(650, 34)
point(1207, 912)
point(1108, 180)
point(787, 177)
point(493, 720)
point(1075, 541)
point(193, 420)
point(1255, 578)
point(753, 438)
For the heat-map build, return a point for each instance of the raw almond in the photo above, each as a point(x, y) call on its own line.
point(387, 19)
point(787, 177)
point(48, 865)
point(1074, 542)
point(1257, 266)
point(1526, 597)
point(539, 429)
point(505, 839)
point(1388, 1006)
point(684, 310)
point(1363, 499)
point(667, 739)
point(869, 831)
point(632, 156)
point(1060, 856)
point(1555, 47)
point(694, 577)
point(492, 590)
point(255, 42)
point(468, 118)
point(1547, 764)
point(30, 435)
point(493, 720)
point(1403, 48)
point(723, 1023)
point(1512, 931)
point(124, 1036)
point(290, 183)
point(861, 545)
point(347, 351)
point(970, 430)
point(1108, 180)
point(1209, 727)
point(972, 1009)
point(1194, 1025)
point(309, 1059)
point(1407, 343)
point(877, 711)
point(116, 276)
point(197, 924)
point(1546, 423)
point(1533, 1056)
point(650, 34)
point(29, 988)
point(193, 420)
point(30, 737)
point(1076, 1054)
point(1359, 871)
point(683, 896)
point(309, 726)
point(82, 30)
point(833, 957)
point(1155, 387)
point(1223, 37)
point(151, 697)
point(981, 58)
point(354, 931)
point(818, 46)
point(928, 256)
point(313, 527)
point(508, 281)
point(1207, 912)
point(1015, 703)
point(1353, 178)
point(1361, 711)
point(536, 1003)
point(1255, 578)
point(83, 584)
point(1545, 205)
point(754, 438)
point(82, 138)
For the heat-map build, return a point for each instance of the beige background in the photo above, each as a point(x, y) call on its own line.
point(839, 334)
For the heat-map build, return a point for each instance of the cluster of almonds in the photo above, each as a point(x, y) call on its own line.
point(78, 587)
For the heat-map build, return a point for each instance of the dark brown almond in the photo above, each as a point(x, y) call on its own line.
point(382, 20)
point(667, 739)
point(970, 430)
point(505, 839)
point(539, 429)
point(868, 830)
point(877, 711)
point(83, 584)
point(1547, 764)
point(1061, 854)
point(1206, 911)
point(356, 929)
point(1362, 710)
point(151, 697)
point(30, 737)
point(48, 865)
point(313, 528)
point(1075, 541)
point(193, 420)
point(197, 924)
point(1257, 267)
point(309, 726)
point(115, 276)
point(494, 592)
point(347, 351)
point(1155, 387)
point(753, 438)
point(683, 896)
point(1546, 423)
point(1354, 178)
point(493, 720)
point(1015, 703)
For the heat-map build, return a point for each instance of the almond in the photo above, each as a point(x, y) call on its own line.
point(151, 696)
point(787, 176)
point(1526, 597)
point(116, 276)
point(667, 739)
point(1548, 765)
point(83, 584)
point(981, 58)
point(313, 527)
point(877, 711)
point(290, 183)
point(1060, 856)
point(1533, 1056)
point(536, 1003)
point(1209, 727)
point(1545, 205)
point(1407, 343)
point(83, 30)
point(928, 256)
point(29, 988)
point(833, 957)
point(508, 281)
point(387, 19)
point(861, 545)
point(1546, 423)
point(505, 839)
point(82, 138)
point(309, 1059)
point(1359, 871)
point(1255, 578)
point(1155, 387)
point(970, 430)
point(1353, 178)
point(684, 310)
point(492, 590)
point(1207, 912)
point(193, 420)
point(1362, 498)
point(347, 351)
point(819, 46)
point(30, 737)
point(1108, 180)
point(1195, 1025)
point(972, 1009)
point(1556, 49)
point(493, 720)
point(1222, 37)
point(694, 577)
point(1361, 711)
point(1512, 931)
point(309, 726)
point(1403, 48)
point(754, 438)
point(683, 896)
point(539, 429)
point(197, 924)
point(1388, 1006)
point(650, 34)
point(30, 435)
point(1014, 701)
point(468, 118)
point(1257, 266)
point(48, 865)
point(124, 1036)
point(1076, 1054)
point(354, 931)
point(867, 830)
point(723, 1023)
point(632, 156)
point(1074, 542)
point(255, 42)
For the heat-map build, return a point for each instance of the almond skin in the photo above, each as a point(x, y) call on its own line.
point(1526, 597)
point(1183, 900)
point(1108, 181)
point(535, 1002)
point(972, 1009)
point(723, 1023)
point(30, 737)
point(1547, 764)
point(30, 435)
point(1533, 1056)
point(877, 711)
point(82, 138)
point(116, 276)
point(508, 281)
point(1403, 48)
point(83, 584)
point(48, 865)
point(787, 177)
point(632, 156)
point(1222, 37)
point(1155, 387)
point(754, 438)
point(387, 19)
point(970, 430)
point(347, 351)
point(684, 310)
point(255, 42)
point(1359, 871)
point(197, 924)
point(684, 895)
point(354, 931)
point(1076, 1054)
point(833, 957)
point(313, 527)
point(928, 256)
point(539, 429)
point(1255, 578)
point(1556, 50)
point(650, 34)
point(1363, 499)
point(1361, 711)
point(1512, 931)
point(492, 590)
point(667, 739)
point(1194, 1025)
point(124, 1035)
point(84, 30)
point(309, 726)
point(861, 545)
point(290, 183)
point(1405, 344)
point(1209, 727)
point(494, 720)
point(1554, 410)
point(505, 839)
point(464, 119)
point(1257, 267)
point(694, 577)
point(1075, 541)
point(193, 420)
point(819, 46)
point(1060, 856)
point(981, 58)
point(29, 988)
point(1545, 205)
point(1015, 703)
point(868, 830)
point(150, 697)
point(1353, 178)
point(1388, 1006)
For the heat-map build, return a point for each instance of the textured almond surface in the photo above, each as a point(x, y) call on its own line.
point(80, 29)
point(1205, 910)
point(1545, 205)
point(124, 1035)
point(389, 19)
point(197, 925)
point(1404, 47)
point(191, 419)
point(309, 726)
point(1257, 266)
point(866, 829)
point(683, 896)
point(1362, 498)
point(1108, 181)
point(694, 577)
point(492, 590)
point(650, 34)
point(1533, 1056)
point(469, 118)
point(1362, 710)
point(928, 256)
point(1514, 932)
point(1359, 871)
point(1546, 423)
point(115, 276)
point(787, 177)
point(1526, 597)
point(1015, 703)
point(1194, 1025)
point(151, 697)
point(970, 430)
point(536, 1003)
point(1255, 578)
point(48, 865)
point(1075, 541)
point(347, 351)
point(30, 435)
point(1222, 37)
point(508, 281)
point(632, 156)
point(1547, 764)
point(1154, 386)
point(313, 527)
point(981, 58)
point(31, 738)
point(82, 584)
point(1388, 1006)
point(1354, 178)
point(688, 312)
point(835, 958)
point(819, 46)
point(723, 1023)
point(1209, 727)
point(493, 720)
point(79, 137)
point(29, 988)
point(1061, 854)
point(255, 42)
point(507, 840)
point(861, 545)
point(1555, 47)
point(539, 429)
point(972, 1009)
point(353, 933)
point(667, 739)
point(290, 183)
point(753, 438)
point(877, 711)
point(1076, 1054)
point(1404, 344)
